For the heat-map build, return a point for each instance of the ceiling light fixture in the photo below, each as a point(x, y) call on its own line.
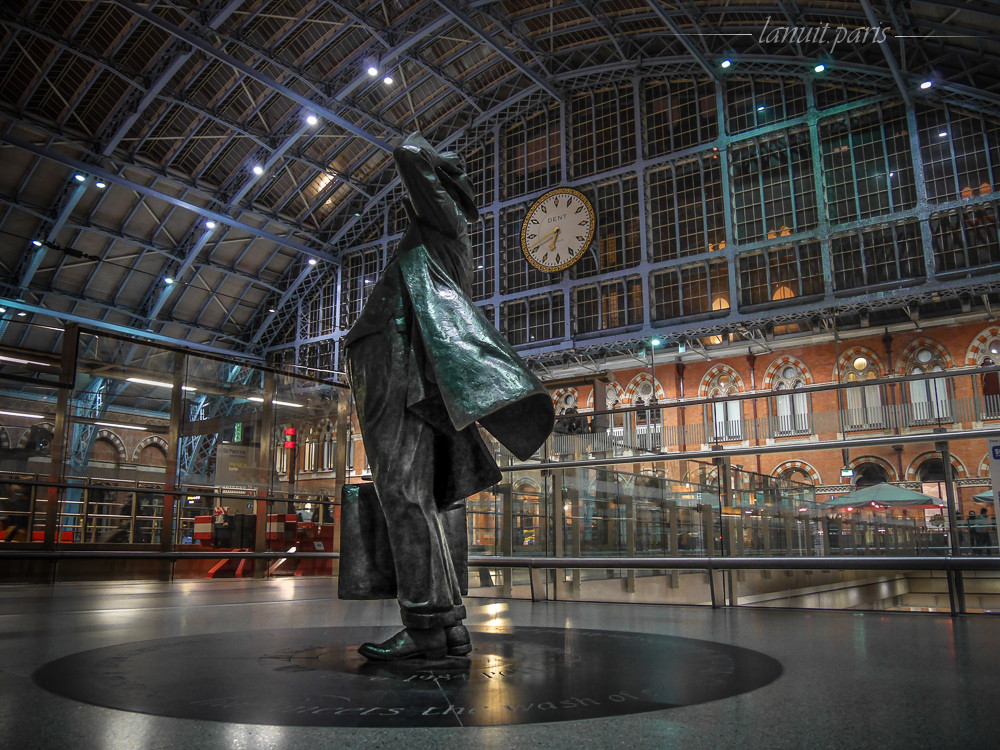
point(387, 80)
point(260, 400)
point(312, 261)
point(820, 67)
point(210, 224)
point(26, 415)
point(101, 184)
point(160, 383)
point(122, 426)
point(168, 280)
point(79, 177)
point(926, 85)
point(726, 63)
point(36, 243)
point(312, 120)
point(258, 170)
point(23, 361)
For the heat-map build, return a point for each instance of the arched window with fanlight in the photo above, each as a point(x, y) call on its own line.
point(864, 403)
point(929, 401)
point(990, 381)
point(791, 410)
point(725, 416)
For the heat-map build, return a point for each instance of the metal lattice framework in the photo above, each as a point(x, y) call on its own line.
point(168, 109)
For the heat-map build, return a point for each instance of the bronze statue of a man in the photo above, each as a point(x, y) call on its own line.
point(425, 365)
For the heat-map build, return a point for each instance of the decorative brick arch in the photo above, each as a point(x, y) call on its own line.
point(109, 437)
point(848, 356)
point(957, 467)
point(643, 377)
point(145, 442)
point(923, 342)
point(713, 373)
point(977, 349)
point(984, 466)
point(526, 484)
point(22, 442)
point(559, 393)
point(612, 386)
point(767, 383)
point(693, 475)
point(808, 469)
point(890, 471)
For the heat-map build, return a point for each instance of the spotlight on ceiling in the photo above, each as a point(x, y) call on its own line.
point(79, 177)
point(210, 224)
point(258, 170)
point(271, 310)
point(312, 261)
point(101, 184)
point(312, 120)
point(387, 80)
point(726, 63)
point(168, 279)
point(820, 67)
point(926, 85)
point(36, 243)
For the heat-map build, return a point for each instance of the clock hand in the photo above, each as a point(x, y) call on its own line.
point(554, 238)
point(544, 237)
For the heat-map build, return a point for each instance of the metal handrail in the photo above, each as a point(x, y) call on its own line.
point(712, 563)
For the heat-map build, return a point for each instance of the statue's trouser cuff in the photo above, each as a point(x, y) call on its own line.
point(432, 620)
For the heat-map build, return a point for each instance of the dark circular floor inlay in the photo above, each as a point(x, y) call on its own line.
point(315, 677)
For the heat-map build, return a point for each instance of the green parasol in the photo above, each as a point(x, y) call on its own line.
point(881, 494)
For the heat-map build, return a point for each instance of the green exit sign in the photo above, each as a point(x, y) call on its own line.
point(238, 433)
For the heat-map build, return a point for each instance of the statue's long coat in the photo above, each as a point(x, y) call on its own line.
point(457, 370)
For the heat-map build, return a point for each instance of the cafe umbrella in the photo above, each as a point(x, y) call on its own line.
point(882, 495)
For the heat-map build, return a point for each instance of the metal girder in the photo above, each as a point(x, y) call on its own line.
point(167, 290)
point(472, 26)
point(132, 107)
point(690, 46)
point(89, 225)
point(132, 332)
point(890, 59)
point(31, 261)
point(208, 213)
point(207, 47)
point(281, 304)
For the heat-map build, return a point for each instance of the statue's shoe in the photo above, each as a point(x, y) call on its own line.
point(458, 640)
point(408, 644)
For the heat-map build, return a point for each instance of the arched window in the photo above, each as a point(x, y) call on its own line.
point(928, 398)
point(990, 381)
point(864, 404)
point(867, 474)
point(726, 421)
point(645, 393)
point(791, 411)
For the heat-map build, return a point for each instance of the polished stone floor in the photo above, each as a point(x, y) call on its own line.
point(683, 677)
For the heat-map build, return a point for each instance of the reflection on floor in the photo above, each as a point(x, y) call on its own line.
point(845, 680)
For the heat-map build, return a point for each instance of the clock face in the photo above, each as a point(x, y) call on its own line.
point(557, 229)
